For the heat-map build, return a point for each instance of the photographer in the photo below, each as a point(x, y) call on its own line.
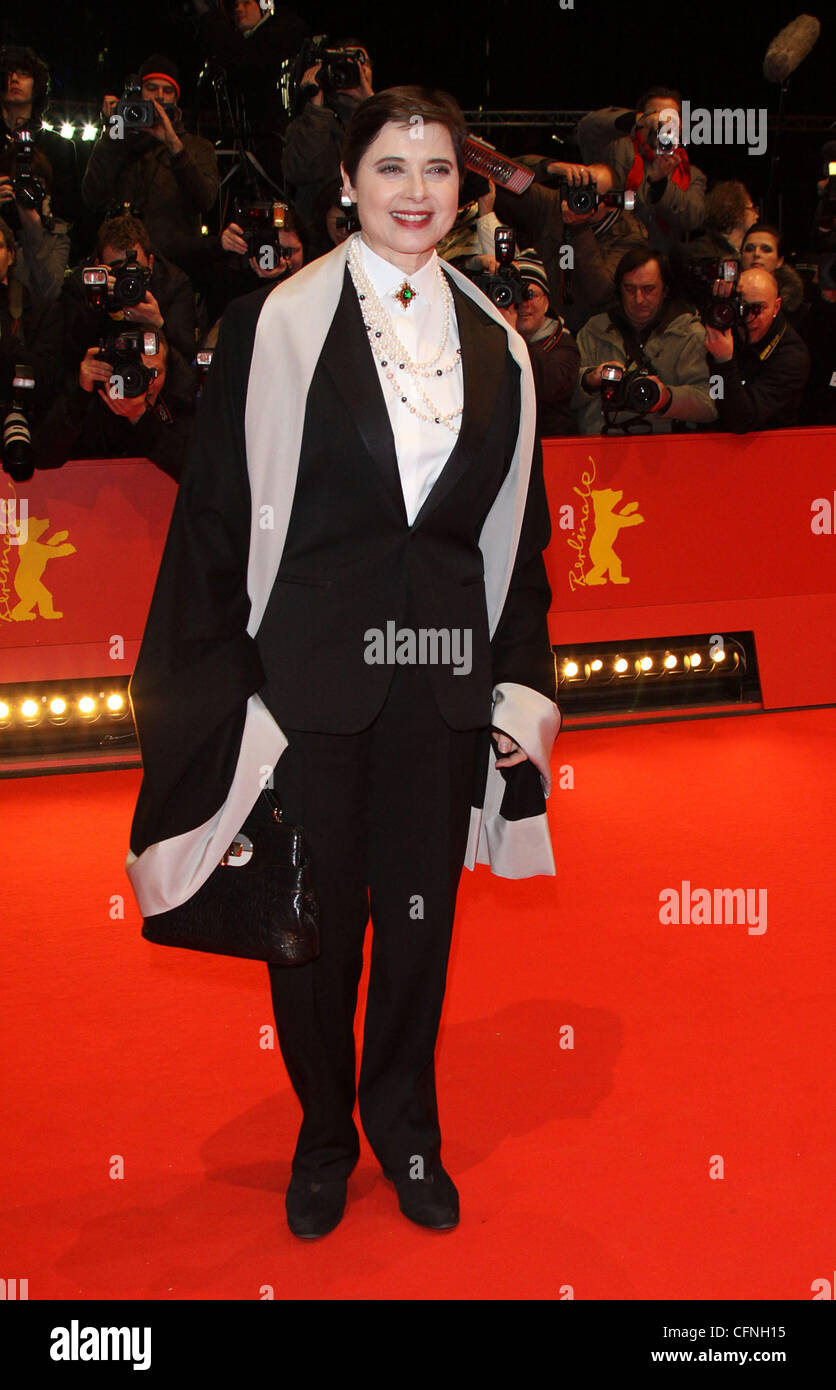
point(551, 347)
point(248, 44)
point(314, 139)
point(660, 339)
point(763, 249)
point(670, 190)
point(30, 327)
point(278, 252)
point(598, 239)
point(24, 90)
point(171, 177)
point(92, 419)
point(763, 362)
point(42, 242)
point(167, 303)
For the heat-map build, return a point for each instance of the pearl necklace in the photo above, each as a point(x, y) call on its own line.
point(377, 322)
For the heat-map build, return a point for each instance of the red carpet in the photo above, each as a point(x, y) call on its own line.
point(587, 1166)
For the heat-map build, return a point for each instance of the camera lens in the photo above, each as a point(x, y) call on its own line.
point(503, 296)
point(644, 394)
point(134, 379)
point(131, 288)
point(720, 314)
point(581, 200)
point(17, 446)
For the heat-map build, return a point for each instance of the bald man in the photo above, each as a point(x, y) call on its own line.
point(762, 361)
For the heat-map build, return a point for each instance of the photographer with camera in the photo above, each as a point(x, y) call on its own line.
point(145, 158)
point(763, 363)
point(337, 80)
point(42, 243)
point(264, 242)
point(24, 92)
point(643, 366)
point(574, 206)
point(30, 327)
point(643, 150)
point(552, 348)
point(763, 249)
point(126, 282)
point(115, 408)
point(248, 42)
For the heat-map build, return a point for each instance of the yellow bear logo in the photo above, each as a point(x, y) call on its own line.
point(32, 557)
point(608, 523)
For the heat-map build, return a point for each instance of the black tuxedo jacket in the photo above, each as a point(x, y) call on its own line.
point(352, 564)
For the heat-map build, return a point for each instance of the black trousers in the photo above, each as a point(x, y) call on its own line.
point(386, 815)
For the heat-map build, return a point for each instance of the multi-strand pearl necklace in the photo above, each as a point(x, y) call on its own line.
point(388, 347)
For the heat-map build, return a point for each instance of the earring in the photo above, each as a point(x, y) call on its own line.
point(345, 201)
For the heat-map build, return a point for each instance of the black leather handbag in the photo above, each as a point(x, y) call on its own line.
point(258, 903)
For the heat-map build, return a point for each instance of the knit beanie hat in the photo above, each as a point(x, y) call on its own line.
point(160, 66)
point(532, 270)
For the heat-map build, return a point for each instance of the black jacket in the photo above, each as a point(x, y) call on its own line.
point(350, 562)
point(80, 425)
point(763, 383)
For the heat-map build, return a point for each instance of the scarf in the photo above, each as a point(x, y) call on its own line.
point(284, 360)
point(681, 175)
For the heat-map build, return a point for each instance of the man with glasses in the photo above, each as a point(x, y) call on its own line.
point(763, 363)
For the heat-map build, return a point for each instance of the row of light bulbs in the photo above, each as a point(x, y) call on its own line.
point(68, 131)
point(642, 665)
point(30, 710)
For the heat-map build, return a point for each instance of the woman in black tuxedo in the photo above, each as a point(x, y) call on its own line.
point(353, 583)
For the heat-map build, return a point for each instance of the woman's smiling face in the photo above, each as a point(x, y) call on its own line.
point(407, 192)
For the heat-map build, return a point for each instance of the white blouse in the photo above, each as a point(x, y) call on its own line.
point(422, 446)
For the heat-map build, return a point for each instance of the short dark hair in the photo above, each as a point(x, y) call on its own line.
point(123, 233)
point(669, 93)
point(639, 256)
point(770, 231)
point(399, 105)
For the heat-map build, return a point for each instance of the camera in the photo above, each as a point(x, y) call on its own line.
point(203, 362)
point(28, 189)
point(339, 69)
point(585, 198)
point(18, 457)
point(623, 390)
point(124, 351)
point(505, 286)
point(260, 223)
point(131, 283)
point(136, 113)
point(696, 278)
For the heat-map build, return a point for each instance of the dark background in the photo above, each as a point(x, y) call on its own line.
point(501, 55)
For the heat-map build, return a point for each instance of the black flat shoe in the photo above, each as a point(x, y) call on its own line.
point(314, 1208)
point(431, 1201)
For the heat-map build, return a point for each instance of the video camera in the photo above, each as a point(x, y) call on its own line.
point(260, 223)
point(28, 189)
point(18, 457)
point(505, 286)
point(628, 390)
point(136, 113)
point(124, 351)
point(131, 283)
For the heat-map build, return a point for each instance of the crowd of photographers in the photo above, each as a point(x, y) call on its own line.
point(649, 301)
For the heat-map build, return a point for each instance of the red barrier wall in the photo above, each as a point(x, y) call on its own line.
point(708, 533)
point(85, 576)
point(666, 535)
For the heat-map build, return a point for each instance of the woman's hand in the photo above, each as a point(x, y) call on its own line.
point(509, 752)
